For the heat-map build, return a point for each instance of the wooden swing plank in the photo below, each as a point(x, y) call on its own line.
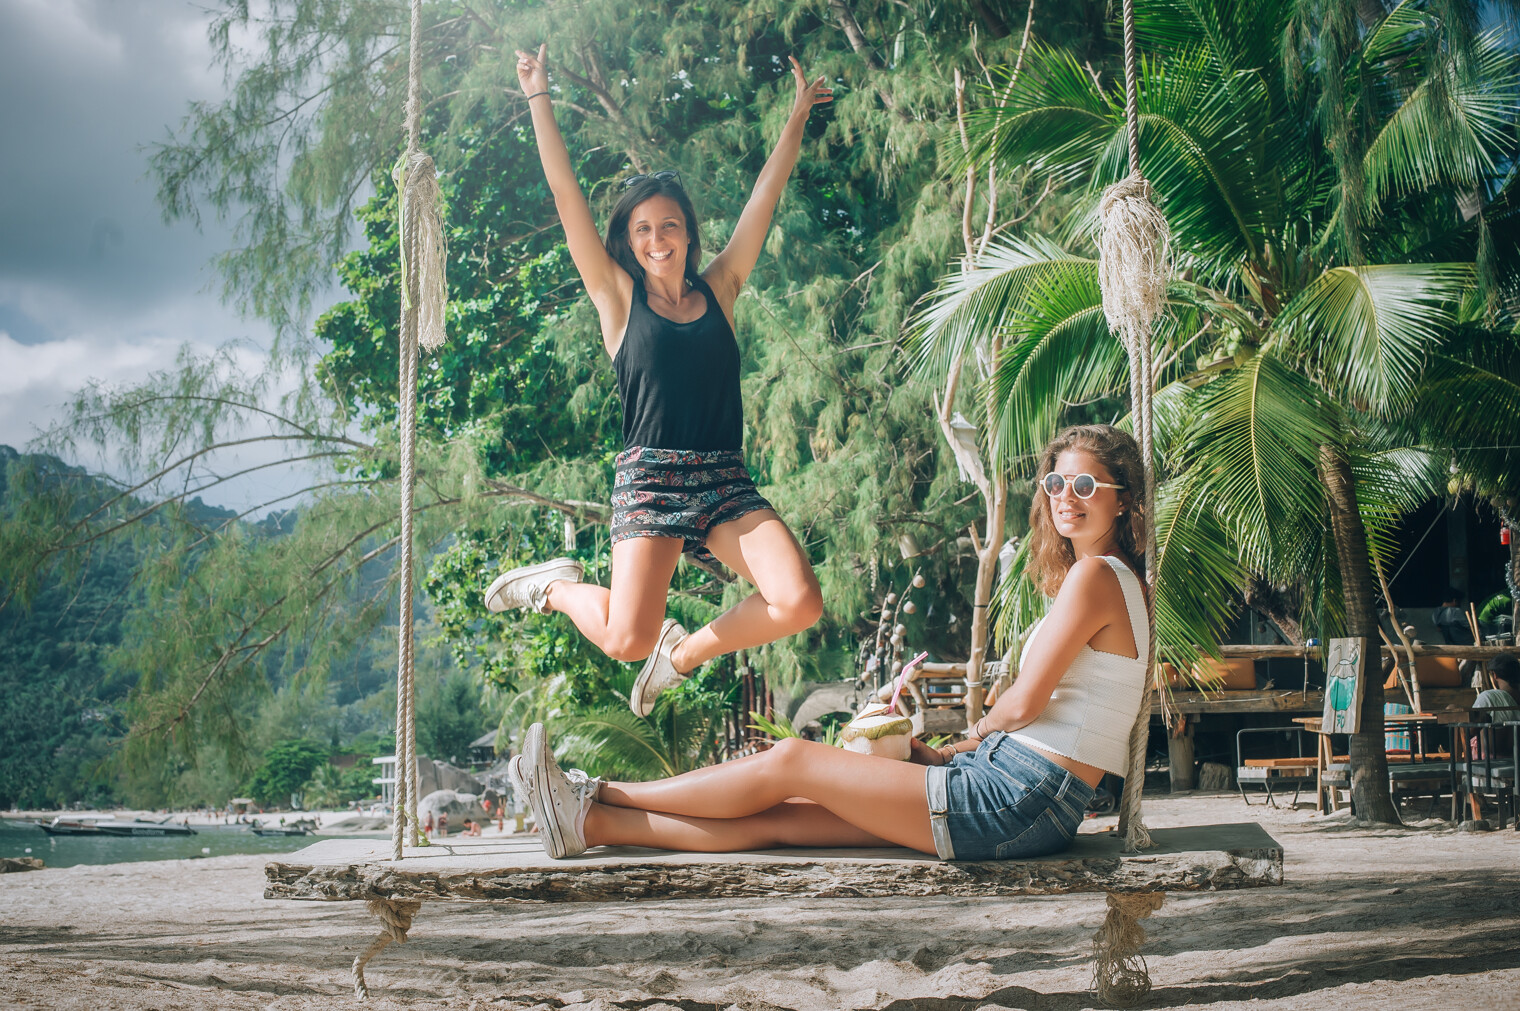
point(514, 868)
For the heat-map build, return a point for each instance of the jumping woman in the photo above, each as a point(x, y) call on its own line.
point(1016, 788)
point(680, 482)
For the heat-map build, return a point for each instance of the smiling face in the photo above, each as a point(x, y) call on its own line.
point(657, 235)
point(1087, 523)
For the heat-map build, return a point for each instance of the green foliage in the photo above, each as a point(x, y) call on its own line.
point(684, 732)
point(1282, 340)
point(240, 634)
point(331, 787)
point(286, 767)
point(777, 726)
point(449, 717)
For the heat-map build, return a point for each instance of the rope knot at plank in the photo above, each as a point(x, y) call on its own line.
point(1120, 977)
point(395, 917)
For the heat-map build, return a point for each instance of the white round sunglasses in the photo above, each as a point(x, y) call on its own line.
point(1084, 486)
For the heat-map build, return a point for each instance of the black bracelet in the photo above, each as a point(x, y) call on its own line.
point(535, 95)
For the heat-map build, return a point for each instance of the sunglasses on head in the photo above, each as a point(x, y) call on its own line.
point(659, 177)
point(1082, 485)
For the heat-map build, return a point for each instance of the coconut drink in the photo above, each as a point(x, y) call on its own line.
point(879, 730)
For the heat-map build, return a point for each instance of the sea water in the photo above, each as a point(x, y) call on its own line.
point(25, 839)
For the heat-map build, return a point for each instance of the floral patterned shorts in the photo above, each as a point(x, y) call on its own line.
point(680, 493)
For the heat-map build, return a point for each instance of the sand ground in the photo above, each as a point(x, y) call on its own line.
point(1414, 918)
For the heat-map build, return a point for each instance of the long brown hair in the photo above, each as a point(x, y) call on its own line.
point(1050, 555)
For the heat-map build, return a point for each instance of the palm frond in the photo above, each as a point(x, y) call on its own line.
point(1392, 482)
point(1234, 36)
point(613, 742)
point(1456, 127)
point(1468, 403)
point(1253, 451)
point(968, 306)
point(1198, 575)
point(1202, 141)
point(1057, 351)
point(1016, 603)
point(1369, 329)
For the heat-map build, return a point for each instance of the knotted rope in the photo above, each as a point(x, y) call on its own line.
point(1134, 266)
point(395, 920)
point(424, 299)
point(1120, 976)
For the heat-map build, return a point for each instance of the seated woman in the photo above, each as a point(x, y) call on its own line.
point(1016, 787)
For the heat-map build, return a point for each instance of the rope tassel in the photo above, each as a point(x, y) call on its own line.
point(422, 246)
point(1135, 259)
point(1120, 976)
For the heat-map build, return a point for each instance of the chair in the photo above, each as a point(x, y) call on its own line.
point(1484, 757)
point(1269, 772)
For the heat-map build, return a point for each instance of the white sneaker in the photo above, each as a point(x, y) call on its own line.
point(659, 671)
point(559, 799)
point(528, 586)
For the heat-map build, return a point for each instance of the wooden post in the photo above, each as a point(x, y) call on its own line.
point(1179, 750)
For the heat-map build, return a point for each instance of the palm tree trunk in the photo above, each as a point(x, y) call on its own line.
point(1369, 763)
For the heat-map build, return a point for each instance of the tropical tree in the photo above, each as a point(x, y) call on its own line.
point(516, 412)
point(1313, 290)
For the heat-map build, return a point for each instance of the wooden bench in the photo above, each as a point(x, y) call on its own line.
point(1298, 770)
point(514, 869)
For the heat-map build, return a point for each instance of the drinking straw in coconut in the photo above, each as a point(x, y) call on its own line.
point(902, 678)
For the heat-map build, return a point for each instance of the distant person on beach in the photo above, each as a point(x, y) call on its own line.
point(443, 824)
point(1016, 788)
point(1451, 619)
point(1498, 703)
point(427, 825)
point(680, 484)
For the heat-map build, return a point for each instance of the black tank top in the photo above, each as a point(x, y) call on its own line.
point(679, 381)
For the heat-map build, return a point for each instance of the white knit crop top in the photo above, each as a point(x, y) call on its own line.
point(1095, 704)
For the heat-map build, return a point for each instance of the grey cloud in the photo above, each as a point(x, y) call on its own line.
point(93, 283)
point(89, 84)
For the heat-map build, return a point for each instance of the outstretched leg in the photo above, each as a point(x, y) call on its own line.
point(882, 798)
point(760, 548)
point(623, 621)
point(792, 823)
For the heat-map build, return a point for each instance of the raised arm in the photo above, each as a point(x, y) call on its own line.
point(606, 282)
point(730, 268)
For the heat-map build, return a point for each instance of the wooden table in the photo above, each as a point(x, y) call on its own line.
point(1416, 723)
point(1325, 756)
point(1322, 759)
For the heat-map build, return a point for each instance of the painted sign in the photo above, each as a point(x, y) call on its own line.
point(1343, 686)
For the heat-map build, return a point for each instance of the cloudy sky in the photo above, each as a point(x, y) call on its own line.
point(93, 284)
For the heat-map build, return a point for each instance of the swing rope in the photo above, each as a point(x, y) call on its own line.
point(1134, 265)
point(424, 298)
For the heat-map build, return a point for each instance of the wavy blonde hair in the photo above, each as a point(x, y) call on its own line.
point(1050, 555)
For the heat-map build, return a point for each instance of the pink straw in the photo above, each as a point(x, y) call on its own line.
point(902, 678)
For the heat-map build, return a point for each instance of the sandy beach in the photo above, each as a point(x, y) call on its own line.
point(1419, 918)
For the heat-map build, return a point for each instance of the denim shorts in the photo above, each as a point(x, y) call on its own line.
point(1003, 801)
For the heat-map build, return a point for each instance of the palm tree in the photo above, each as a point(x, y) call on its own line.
point(684, 732)
point(1314, 292)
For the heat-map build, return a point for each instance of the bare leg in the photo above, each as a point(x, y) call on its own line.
point(760, 548)
point(623, 622)
point(883, 798)
point(794, 823)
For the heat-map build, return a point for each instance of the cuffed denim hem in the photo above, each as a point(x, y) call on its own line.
point(935, 779)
